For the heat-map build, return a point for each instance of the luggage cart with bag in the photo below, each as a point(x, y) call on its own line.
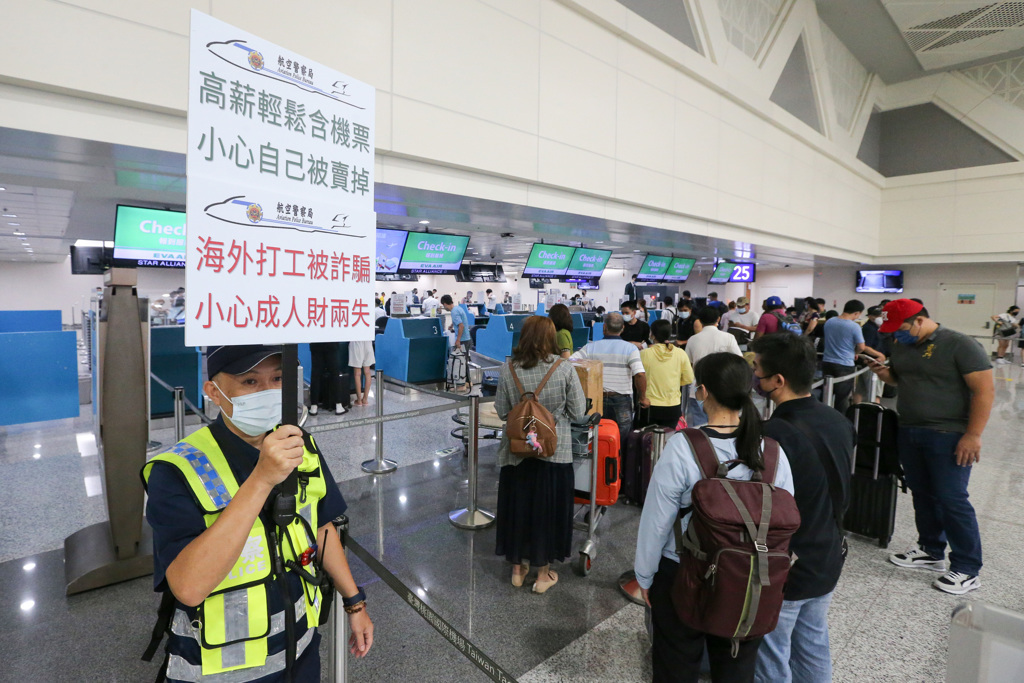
point(595, 461)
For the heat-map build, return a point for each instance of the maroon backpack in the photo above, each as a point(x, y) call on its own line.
point(734, 555)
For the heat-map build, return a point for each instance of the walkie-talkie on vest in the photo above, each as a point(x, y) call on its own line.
point(284, 501)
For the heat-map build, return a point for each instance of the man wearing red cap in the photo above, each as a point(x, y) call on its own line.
point(946, 394)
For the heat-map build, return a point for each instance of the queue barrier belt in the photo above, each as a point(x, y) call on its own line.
point(450, 633)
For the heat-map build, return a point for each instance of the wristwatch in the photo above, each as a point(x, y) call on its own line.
point(359, 597)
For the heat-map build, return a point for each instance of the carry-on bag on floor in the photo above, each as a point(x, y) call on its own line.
point(339, 390)
point(608, 481)
point(876, 473)
point(636, 463)
point(457, 372)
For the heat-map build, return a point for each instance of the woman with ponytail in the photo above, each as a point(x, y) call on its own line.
point(734, 428)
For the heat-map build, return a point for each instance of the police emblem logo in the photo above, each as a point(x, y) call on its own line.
point(254, 213)
point(255, 60)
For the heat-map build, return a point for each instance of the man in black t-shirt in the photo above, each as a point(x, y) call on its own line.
point(819, 442)
point(636, 332)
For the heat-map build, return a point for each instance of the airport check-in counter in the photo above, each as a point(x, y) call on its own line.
point(500, 336)
point(580, 333)
point(412, 349)
point(653, 314)
point(597, 330)
point(38, 368)
point(176, 364)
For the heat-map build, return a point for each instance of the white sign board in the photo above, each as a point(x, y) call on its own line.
point(398, 304)
point(517, 301)
point(281, 230)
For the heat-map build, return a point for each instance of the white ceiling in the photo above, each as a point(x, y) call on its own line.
point(944, 34)
point(34, 222)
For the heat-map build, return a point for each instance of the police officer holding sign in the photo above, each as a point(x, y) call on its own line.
point(245, 588)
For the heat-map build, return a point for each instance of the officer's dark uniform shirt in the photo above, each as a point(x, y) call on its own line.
point(177, 521)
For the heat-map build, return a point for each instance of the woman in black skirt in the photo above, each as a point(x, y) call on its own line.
point(535, 495)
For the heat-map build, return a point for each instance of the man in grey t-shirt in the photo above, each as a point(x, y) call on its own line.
point(946, 394)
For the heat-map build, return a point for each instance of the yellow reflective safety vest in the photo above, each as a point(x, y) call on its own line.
point(233, 624)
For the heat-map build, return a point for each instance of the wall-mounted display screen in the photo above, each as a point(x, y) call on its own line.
point(723, 271)
point(548, 260)
point(149, 237)
point(654, 268)
point(592, 285)
point(432, 253)
point(588, 263)
point(880, 281)
point(679, 270)
point(743, 272)
point(390, 245)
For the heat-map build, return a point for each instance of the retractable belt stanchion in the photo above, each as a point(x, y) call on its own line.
point(873, 381)
point(829, 395)
point(627, 582)
point(337, 653)
point(379, 465)
point(471, 517)
point(179, 413)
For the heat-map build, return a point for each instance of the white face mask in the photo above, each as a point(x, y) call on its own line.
point(256, 413)
point(742, 310)
point(626, 317)
point(684, 315)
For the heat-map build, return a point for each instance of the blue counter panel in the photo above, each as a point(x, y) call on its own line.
point(38, 376)
point(30, 321)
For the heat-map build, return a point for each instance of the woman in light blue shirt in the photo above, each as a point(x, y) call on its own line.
point(734, 427)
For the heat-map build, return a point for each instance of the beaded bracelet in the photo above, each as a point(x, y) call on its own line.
point(358, 607)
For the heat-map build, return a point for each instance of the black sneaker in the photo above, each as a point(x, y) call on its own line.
point(915, 558)
point(957, 583)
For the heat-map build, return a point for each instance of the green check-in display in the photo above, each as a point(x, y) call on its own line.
point(548, 260)
point(654, 268)
point(588, 262)
point(151, 237)
point(679, 269)
point(432, 253)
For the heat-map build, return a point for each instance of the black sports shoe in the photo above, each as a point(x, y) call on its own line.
point(957, 583)
point(915, 558)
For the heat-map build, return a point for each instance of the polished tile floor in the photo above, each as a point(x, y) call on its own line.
point(887, 624)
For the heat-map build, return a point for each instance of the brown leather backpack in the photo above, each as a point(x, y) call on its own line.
point(531, 427)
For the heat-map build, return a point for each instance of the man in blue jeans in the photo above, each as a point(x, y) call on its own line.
point(819, 444)
point(946, 394)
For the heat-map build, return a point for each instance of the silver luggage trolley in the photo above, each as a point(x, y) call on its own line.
point(588, 513)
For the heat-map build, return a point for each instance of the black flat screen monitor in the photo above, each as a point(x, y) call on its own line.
point(548, 260)
point(433, 253)
point(90, 260)
point(880, 281)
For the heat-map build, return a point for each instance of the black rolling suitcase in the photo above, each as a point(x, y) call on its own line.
point(637, 462)
point(876, 473)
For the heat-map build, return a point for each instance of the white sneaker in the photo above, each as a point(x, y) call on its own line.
point(1002, 361)
point(957, 583)
point(915, 558)
point(314, 409)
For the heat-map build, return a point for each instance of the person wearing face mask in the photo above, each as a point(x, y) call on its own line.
point(636, 331)
point(844, 340)
point(819, 443)
point(945, 398)
point(253, 586)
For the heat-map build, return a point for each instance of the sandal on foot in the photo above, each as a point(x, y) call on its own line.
point(517, 580)
point(543, 586)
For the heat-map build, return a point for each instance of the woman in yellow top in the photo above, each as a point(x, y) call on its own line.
point(668, 369)
point(562, 319)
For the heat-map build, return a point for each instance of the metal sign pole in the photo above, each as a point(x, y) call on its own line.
point(379, 465)
point(472, 517)
point(337, 651)
point(829, 396)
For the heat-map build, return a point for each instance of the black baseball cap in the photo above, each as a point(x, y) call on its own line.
point(237, 359)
